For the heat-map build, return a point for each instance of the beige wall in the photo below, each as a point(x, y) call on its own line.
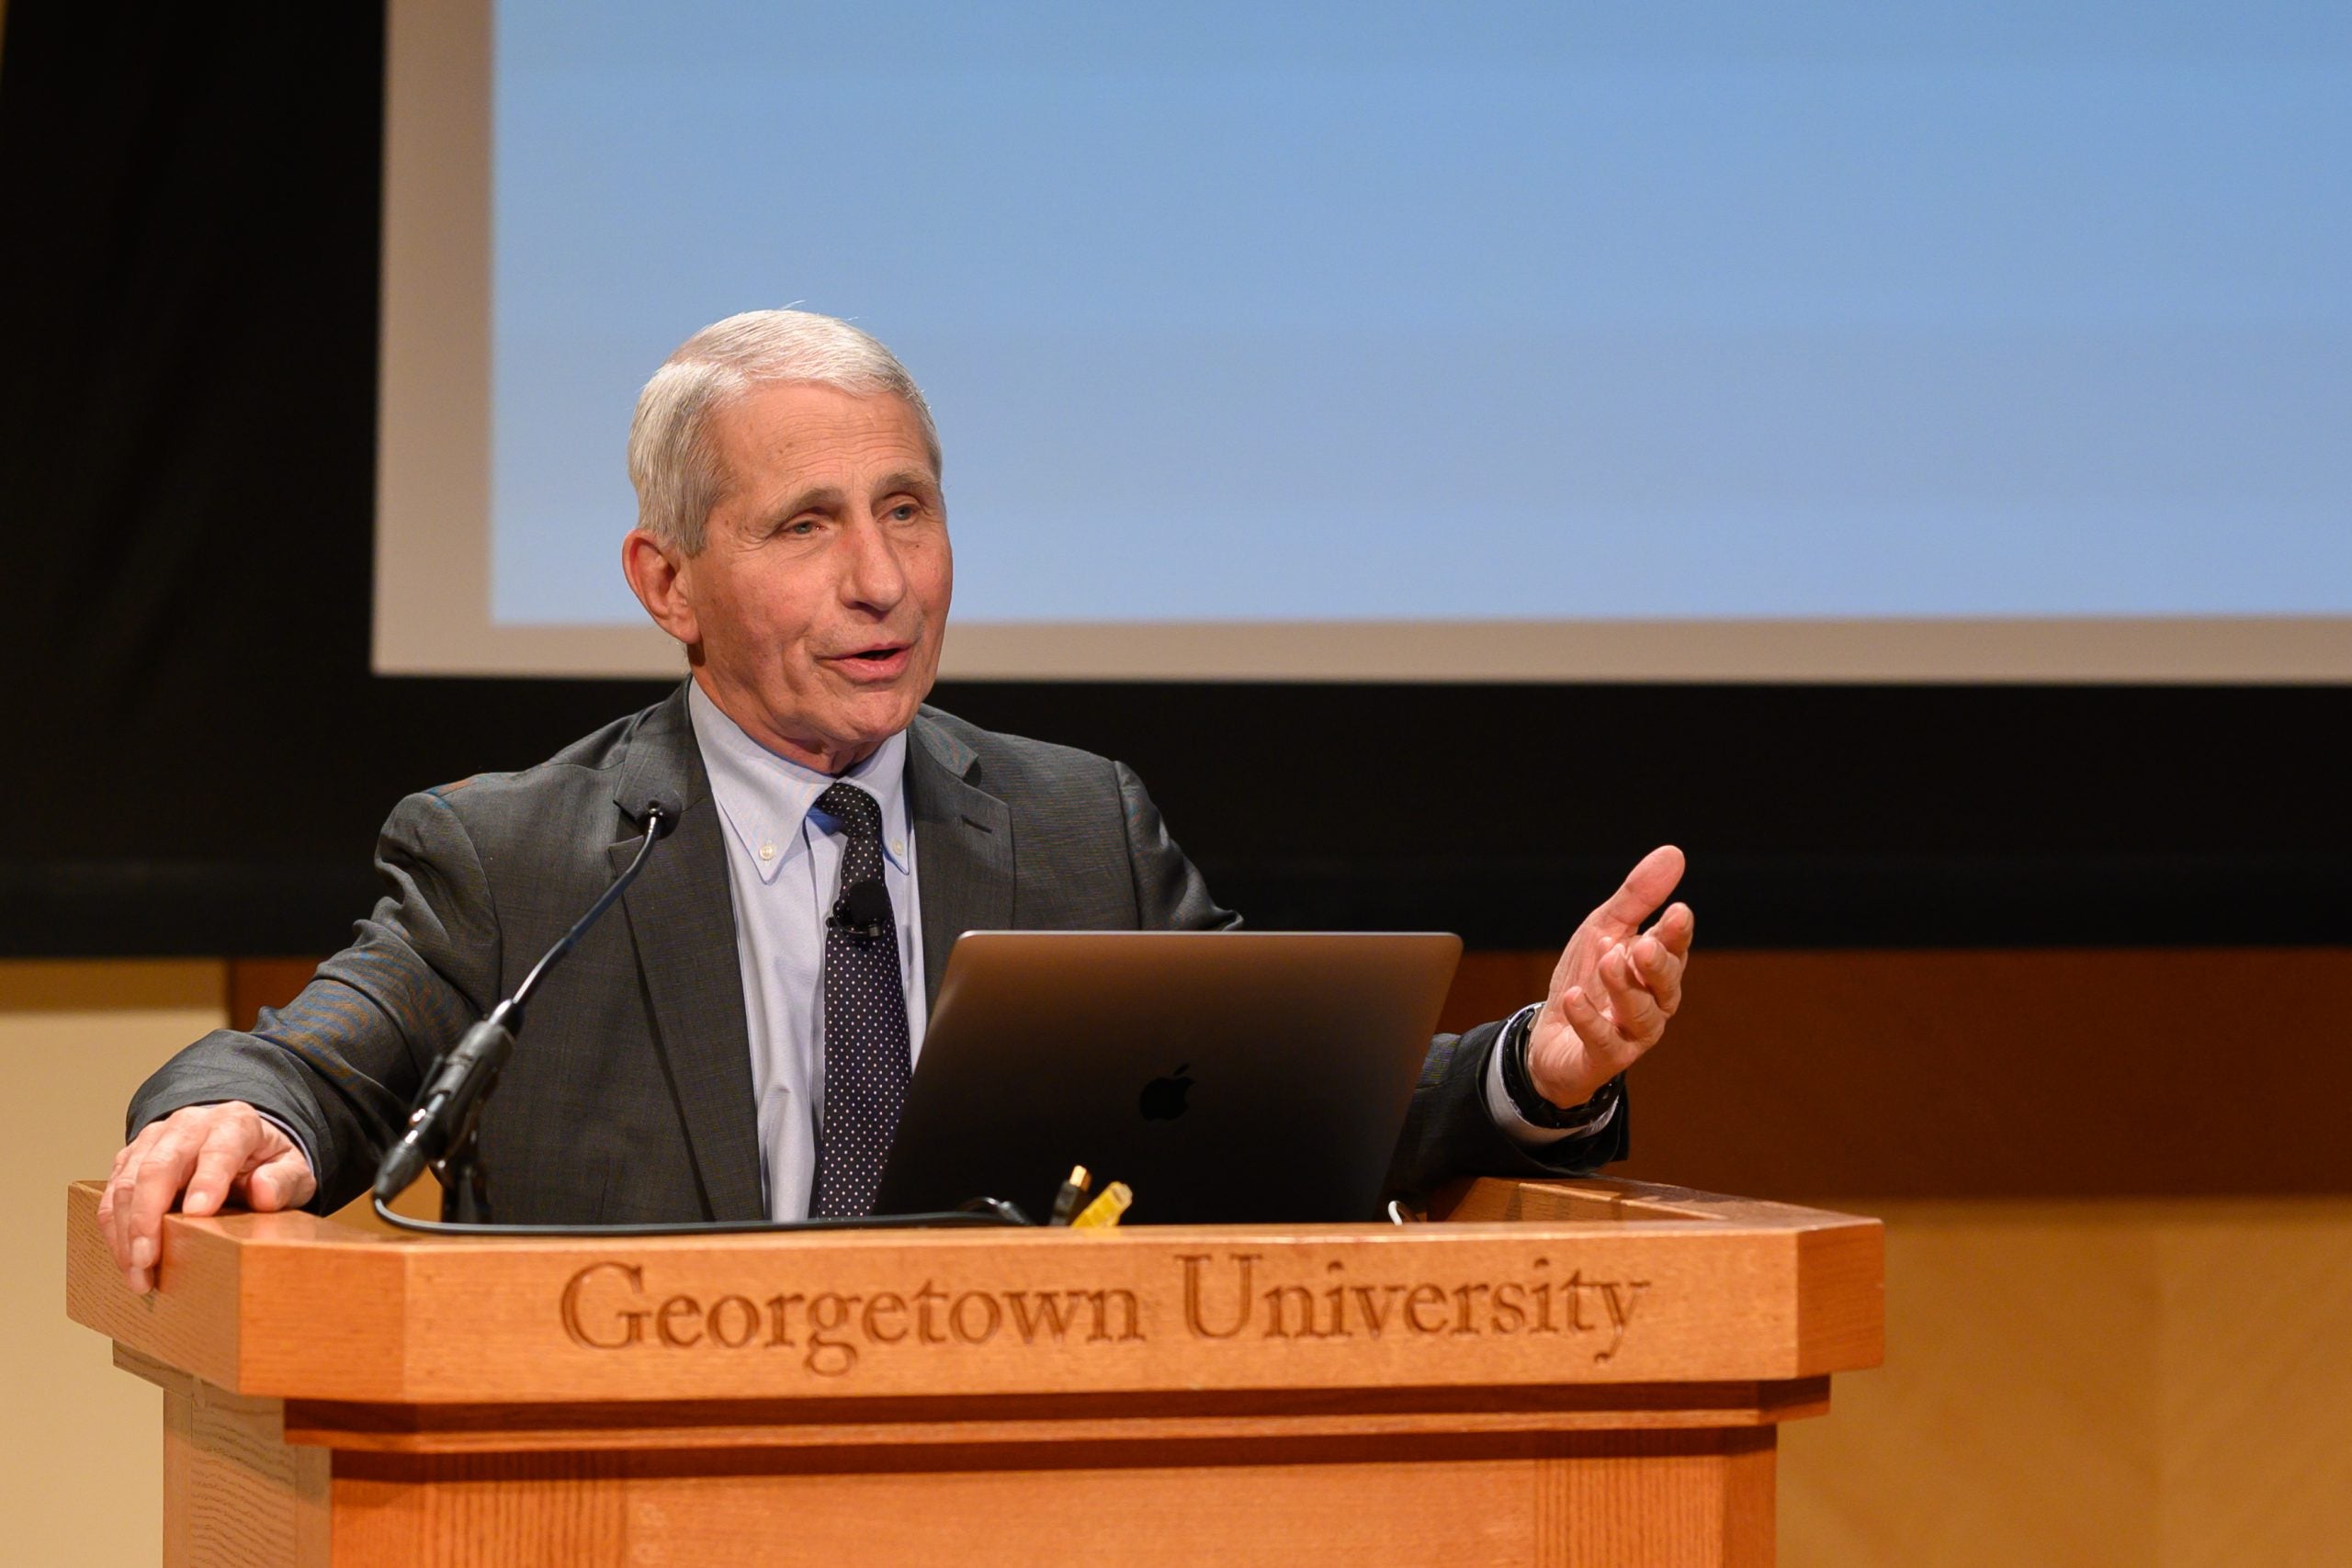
point(81, 1445)
point(2125, 1382)
point(2133, 1384)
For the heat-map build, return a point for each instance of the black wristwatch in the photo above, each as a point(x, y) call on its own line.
point(1538, 1110)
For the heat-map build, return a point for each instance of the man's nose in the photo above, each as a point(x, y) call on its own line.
point(875, 580)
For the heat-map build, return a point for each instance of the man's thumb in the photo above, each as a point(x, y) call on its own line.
point(277, 1185)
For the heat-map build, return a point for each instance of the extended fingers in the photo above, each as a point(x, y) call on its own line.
point(200, 1150)
point(1602, 1039)
point(1659, 968)
point(1675, 930)
point(141, 1202)
point(1647, 885)
point(106, 1194)
point(114, 1204)
point(1637, 1012)
point(220, 1161)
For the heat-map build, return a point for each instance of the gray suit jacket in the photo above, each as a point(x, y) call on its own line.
point(630, 1099)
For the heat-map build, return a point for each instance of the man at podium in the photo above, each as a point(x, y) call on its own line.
point(720, 1056)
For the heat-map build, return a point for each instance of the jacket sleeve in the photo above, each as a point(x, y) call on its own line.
point(1449, 1132)
point(341, 1064)
point(1171, 893)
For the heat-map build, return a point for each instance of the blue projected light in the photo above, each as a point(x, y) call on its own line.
point(1375, 312)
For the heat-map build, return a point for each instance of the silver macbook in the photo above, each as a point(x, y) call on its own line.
point(1222, 1076)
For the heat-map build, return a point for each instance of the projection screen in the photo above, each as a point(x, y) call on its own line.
point(1704, 342)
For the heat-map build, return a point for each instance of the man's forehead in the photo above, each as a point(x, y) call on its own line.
point(787, 421)
point(786, 447)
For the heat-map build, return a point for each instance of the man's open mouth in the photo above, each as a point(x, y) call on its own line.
point(883, 661)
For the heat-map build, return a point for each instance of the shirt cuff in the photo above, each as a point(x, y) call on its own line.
point(1522, 1132)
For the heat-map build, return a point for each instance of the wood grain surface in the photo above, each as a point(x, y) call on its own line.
point(1595, 1501)
point(1592, 1376)
point(1820, 1076)
point(292, 1305)
point(236, 1495)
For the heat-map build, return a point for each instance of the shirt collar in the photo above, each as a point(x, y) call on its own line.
point(766, 798)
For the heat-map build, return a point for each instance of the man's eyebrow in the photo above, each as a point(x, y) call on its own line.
point(920, 480)
point(823, 498)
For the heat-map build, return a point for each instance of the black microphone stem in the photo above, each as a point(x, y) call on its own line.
point(440, 1131)
point(656, 822)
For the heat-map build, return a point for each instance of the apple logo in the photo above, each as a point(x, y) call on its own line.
point(1163, 1099)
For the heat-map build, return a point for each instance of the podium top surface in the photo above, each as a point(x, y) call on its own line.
point(1523, 1285)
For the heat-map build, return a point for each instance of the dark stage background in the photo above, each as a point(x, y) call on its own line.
point(200, 755)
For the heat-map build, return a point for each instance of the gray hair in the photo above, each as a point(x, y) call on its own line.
point(674, 457)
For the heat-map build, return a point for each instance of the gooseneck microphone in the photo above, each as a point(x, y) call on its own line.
point(442, 1118)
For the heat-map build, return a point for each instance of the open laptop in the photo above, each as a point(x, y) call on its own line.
point(1222, 1076)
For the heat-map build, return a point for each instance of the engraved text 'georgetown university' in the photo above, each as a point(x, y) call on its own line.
point(614, 1305)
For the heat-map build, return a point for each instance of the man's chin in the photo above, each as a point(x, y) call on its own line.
point(863, 713)
point(874, 714)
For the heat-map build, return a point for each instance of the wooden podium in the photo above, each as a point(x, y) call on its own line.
point(1581, 1372)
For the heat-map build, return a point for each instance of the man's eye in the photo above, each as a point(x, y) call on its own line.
point(799, 528)
point(906, 511)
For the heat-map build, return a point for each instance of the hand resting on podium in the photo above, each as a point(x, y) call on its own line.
point(210, 1154)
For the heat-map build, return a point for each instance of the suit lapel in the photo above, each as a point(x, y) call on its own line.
point(963, 847)
point(682, 916)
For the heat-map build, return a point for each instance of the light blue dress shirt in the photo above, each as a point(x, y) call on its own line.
point(784, 867)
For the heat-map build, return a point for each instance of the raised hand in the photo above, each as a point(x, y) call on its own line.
point(1614, 986)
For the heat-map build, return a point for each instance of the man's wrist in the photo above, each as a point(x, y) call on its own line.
point(1519, 1109)
point(1533, 1104)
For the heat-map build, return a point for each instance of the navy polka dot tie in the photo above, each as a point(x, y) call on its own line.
point(867, 1044)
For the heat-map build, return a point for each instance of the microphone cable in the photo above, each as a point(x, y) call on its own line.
point(977, 1213)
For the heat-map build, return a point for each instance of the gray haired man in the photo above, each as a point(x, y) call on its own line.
point(692, 1059)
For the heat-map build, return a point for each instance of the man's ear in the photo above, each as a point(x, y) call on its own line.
point(657, 575)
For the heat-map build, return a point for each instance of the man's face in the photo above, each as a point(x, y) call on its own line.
point(820, 594)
